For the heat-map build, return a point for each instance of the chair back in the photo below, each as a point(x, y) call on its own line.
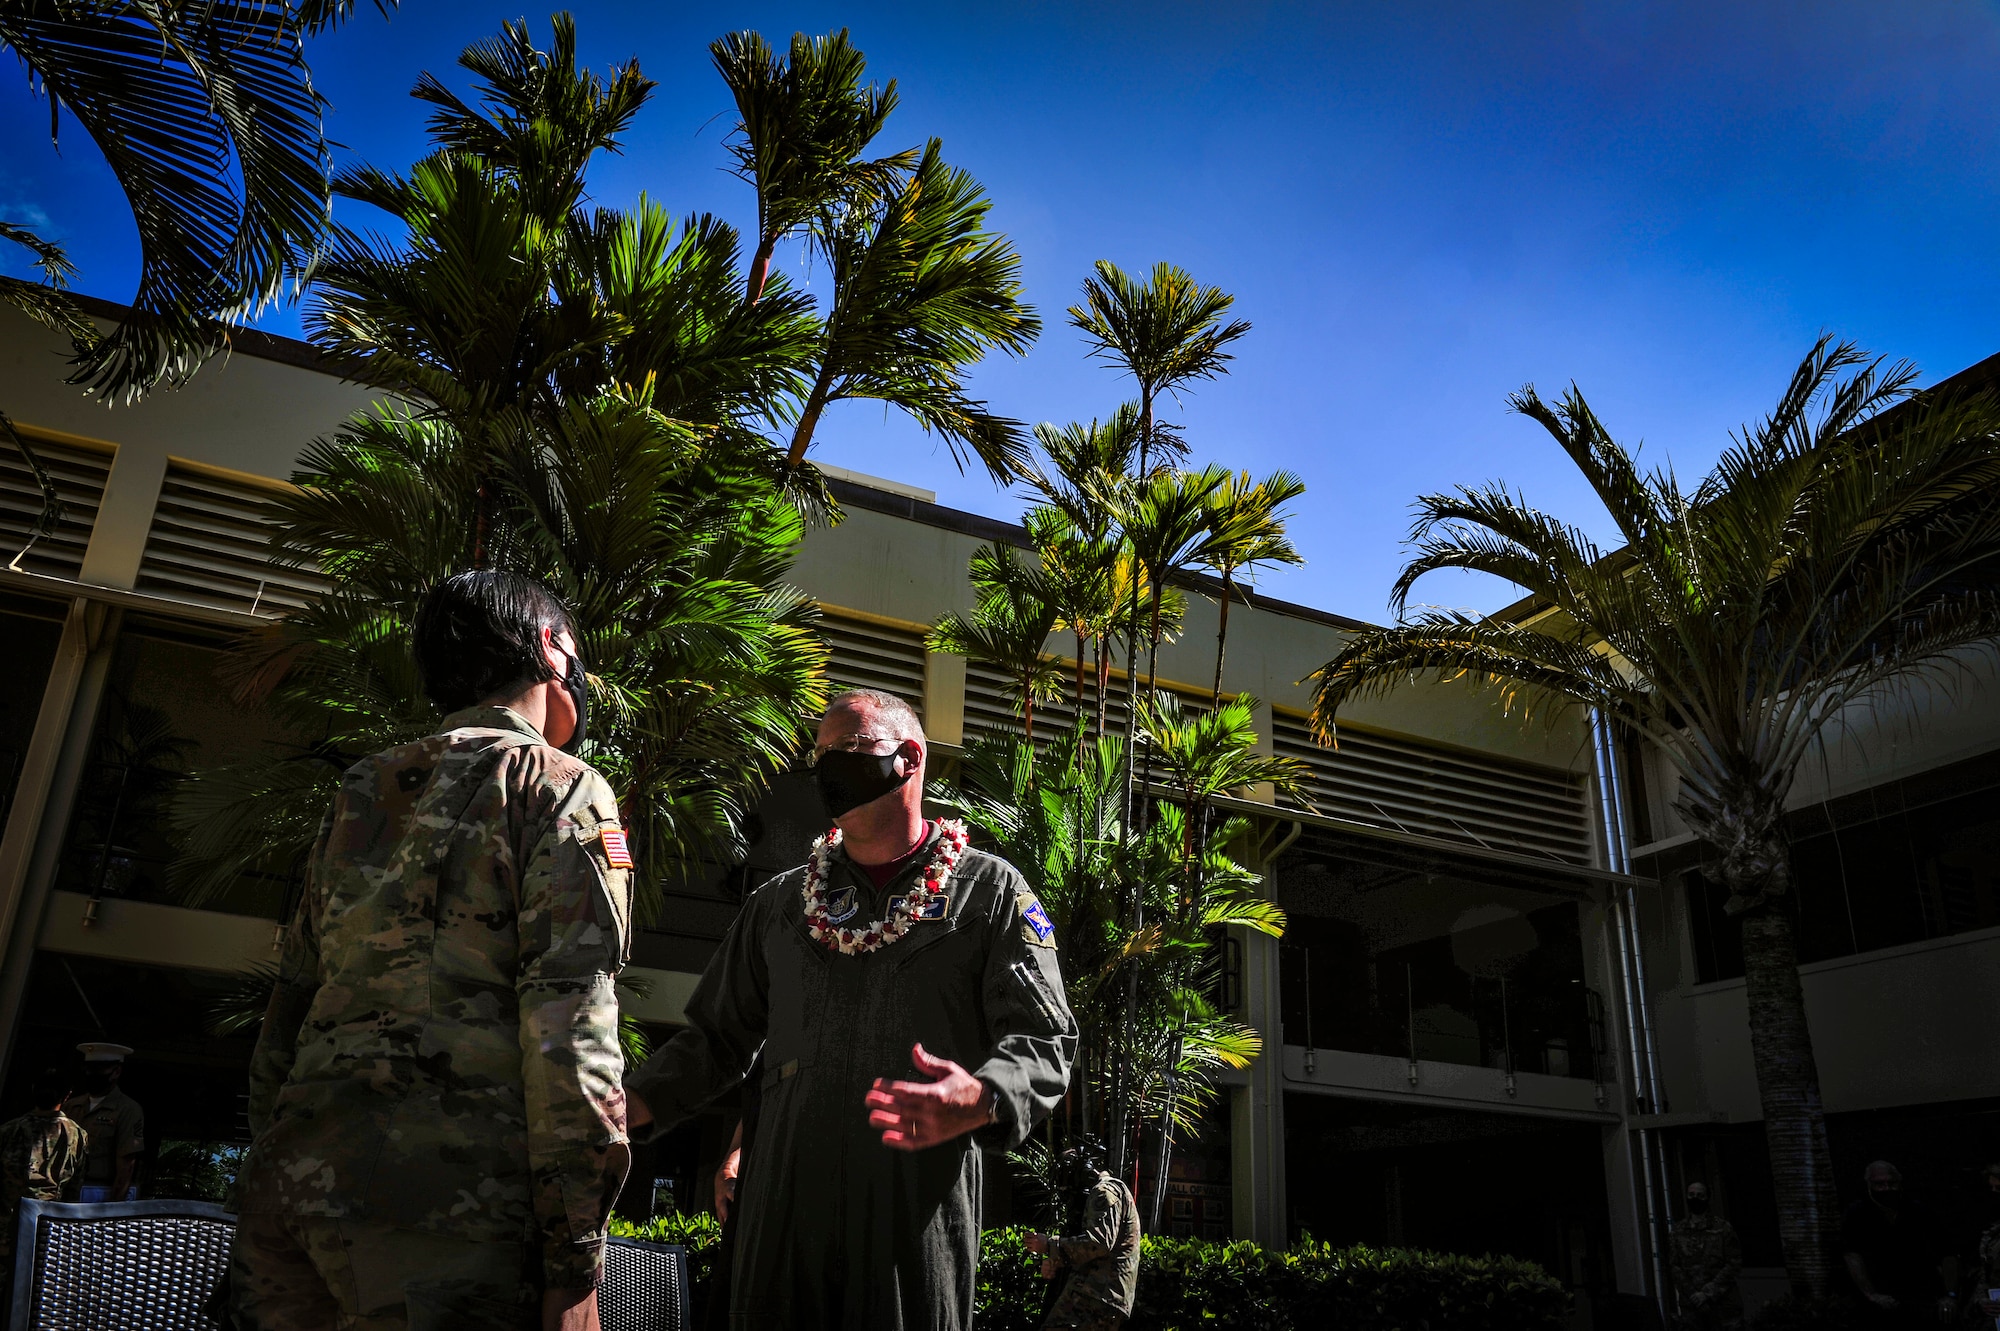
point(118, 1266)
point(645, 1287)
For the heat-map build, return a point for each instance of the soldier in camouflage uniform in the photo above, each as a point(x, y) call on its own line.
point(1707, 1258)
point(1102, 1261)
point(39, 1153)
point(440, 1130)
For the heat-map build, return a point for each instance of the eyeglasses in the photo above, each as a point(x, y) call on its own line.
point(852, 744)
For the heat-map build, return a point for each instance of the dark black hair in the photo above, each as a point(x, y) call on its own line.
point(51, 1087)
point(478, 633)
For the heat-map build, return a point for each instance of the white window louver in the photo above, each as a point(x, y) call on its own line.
point(79, 477)
point(210, 544)
point(1479, 801)
point(875, 656)
point(993, 708)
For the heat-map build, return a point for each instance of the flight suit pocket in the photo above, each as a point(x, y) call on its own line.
point(1030, 987)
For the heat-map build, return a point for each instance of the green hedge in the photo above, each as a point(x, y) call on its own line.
point(1186, 1283)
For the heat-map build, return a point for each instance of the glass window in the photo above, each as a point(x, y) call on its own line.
point(1416, 963)
point(33, 629)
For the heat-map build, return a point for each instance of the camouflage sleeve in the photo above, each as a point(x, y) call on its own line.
point(1031, 1032)
point(1099, 1236)
point(1729, 1267)
point(726, 1018)
point(291, 996)
point(575, 901)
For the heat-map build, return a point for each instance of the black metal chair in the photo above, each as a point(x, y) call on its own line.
point(114, 1266)
point(156, 1266)
point(645, 1287)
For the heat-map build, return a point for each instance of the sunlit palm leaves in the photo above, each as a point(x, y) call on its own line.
point(1246, 530)
point(1014, 610)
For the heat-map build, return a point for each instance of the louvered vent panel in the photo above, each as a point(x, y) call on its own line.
point(875, 656)
point(211, 545)
point(1401, 784)
point(992, 707)
point(79, 480)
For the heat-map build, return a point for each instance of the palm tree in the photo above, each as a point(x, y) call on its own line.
point(1247, 529)
point(921, 291)
point(208, 118)
point(1014, 610)
point(1166, 333)
point(1838, 553)
point(802, 124)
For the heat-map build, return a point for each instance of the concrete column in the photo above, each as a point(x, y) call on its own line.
point(89, 638)
point(1257, 1110)
point(124, 517)
point(944, 698)
point(1267, 745)
point(1629, 1250)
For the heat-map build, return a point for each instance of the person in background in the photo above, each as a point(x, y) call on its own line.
point(113, 1124)
point(39, 1153)
point(440, 1132)
point(1707, 1259)
point(1102, 1261)
point(1894, 1255)
point(1982, 1262)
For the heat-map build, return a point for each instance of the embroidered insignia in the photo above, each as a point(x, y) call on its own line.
point(937, 908)
point(843, 906)
point(1038, 920)
point(616, 853)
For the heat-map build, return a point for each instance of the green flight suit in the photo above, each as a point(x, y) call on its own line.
point(834, 1228)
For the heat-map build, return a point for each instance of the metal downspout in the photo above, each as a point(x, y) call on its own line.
point(1638, 1033)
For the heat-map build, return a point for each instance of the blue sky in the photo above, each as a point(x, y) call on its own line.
point(1419, 207)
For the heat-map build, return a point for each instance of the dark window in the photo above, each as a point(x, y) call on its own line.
point(1907, 876)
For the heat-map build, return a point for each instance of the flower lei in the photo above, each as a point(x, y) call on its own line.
point(874, 937)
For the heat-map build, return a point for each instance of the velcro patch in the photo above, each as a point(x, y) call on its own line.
point(617, 853)
point(1036, 926)
point(842, 906)
point(937, 908)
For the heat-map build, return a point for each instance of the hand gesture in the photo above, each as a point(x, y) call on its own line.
point(725, 1183)
point(914, 1115)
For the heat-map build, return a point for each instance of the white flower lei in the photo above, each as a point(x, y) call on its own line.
point(874, 937)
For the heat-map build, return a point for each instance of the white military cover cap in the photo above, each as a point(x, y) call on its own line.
point(95, 1051)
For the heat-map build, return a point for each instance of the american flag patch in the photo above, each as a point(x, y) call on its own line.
point(616, 853)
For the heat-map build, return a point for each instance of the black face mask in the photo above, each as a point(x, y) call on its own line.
point(1697, 1206)
point(97, 1083)
point(578, 689)
point(847, 781)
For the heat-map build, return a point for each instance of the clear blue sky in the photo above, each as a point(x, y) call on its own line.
point(1419, 207)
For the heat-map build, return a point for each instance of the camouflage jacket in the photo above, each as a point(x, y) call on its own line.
point(39, 1153)
point(1707, 1258)
point(1103, 1261)
point(441, 1051)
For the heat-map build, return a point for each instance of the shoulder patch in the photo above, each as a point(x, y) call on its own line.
point(616, 853)
point(1036, 927)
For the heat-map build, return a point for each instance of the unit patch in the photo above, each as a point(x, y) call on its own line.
point(617, 853)
point(841, 905)
point(937, 908)
point(1036, 927)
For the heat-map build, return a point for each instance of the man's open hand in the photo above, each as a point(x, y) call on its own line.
point(914, 1115)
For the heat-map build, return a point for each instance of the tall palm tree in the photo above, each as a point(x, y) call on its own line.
point(208, 118)
point(803, 123)
point(1839, 552)
point(1246, 530)
point(1014, 610)
point(921, 291)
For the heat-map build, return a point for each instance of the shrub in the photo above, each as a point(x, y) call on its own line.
point(698, 1232)
point(1793, 1314)
point(1186, 1283)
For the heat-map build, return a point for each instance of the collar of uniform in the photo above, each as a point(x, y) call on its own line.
point(492, 718)
point(860, 876)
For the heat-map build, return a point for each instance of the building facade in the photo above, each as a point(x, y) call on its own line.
point(1500, 1020)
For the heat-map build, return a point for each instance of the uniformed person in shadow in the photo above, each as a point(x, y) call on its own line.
point(39, 1153)
point(440, 1130)
point(1707, 1261)
point(1099, 1264)
point(896, 946)
point(114, 1126)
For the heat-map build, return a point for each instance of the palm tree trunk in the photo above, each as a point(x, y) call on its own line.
point(802, 436)
point(1080, 686)
point(1222, 633)
point(1788, 1086)
point(482, 523)
point(760, 269)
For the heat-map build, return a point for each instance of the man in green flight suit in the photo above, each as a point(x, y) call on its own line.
point(440, 1129)
point(859, 1206)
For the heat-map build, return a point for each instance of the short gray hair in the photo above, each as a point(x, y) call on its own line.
point(897, 713)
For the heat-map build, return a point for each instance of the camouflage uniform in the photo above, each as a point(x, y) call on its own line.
point(435, 1092)
point(39, 1153)
point(1707, 1258)
point(1102, 1261)
point(834, 1229)
point(1982, 1272)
